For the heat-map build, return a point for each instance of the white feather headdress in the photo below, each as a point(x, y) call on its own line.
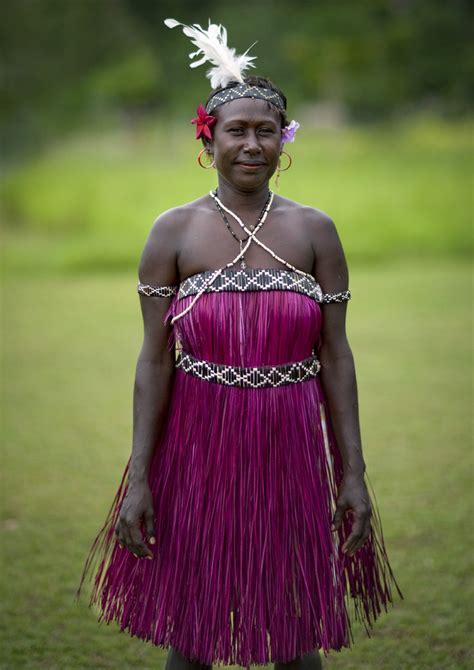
point(212, 46)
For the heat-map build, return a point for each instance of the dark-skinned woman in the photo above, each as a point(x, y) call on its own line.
point(243, 527)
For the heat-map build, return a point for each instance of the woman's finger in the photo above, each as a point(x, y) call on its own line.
point(150, 525)
point(338, 516)
point(127, 537)
point(119, 535)
point(356, 532)
point(365, 535)
point(138, 546)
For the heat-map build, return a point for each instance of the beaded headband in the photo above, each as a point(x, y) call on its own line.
point(245, 91)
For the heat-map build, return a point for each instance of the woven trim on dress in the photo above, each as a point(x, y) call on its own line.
point(253, 279)
point(248, 279)
point(249, 377)
point(161, 291)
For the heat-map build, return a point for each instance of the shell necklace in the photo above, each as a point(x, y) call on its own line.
point(251, 235)
point(263, 213)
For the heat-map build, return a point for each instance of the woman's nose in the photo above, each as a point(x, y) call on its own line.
point(252, 145)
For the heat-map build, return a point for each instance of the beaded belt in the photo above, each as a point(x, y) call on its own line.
point(253, 377)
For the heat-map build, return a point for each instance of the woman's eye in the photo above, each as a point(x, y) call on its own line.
point(240, 131)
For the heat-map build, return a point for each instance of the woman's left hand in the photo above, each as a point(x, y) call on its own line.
point(353, 495)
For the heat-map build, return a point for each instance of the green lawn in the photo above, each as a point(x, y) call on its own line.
point(70, 348)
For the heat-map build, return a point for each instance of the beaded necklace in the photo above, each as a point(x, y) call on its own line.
point(217, 202)
point(251, 236)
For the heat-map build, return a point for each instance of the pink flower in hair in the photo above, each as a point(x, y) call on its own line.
point(203, 122)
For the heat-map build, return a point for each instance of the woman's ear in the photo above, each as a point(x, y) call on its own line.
point(209, 146)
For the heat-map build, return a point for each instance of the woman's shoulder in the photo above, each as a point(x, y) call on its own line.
point(176, 216)
point(158, 259)
point(313, 217)
point(319, 228)
point(164, 239)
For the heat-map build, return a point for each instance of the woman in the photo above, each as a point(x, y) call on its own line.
point(247, 446)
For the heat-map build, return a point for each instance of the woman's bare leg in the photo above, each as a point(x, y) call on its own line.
point(176, 661)
point(311, 661)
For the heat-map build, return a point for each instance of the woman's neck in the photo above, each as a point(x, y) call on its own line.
point(245, 202)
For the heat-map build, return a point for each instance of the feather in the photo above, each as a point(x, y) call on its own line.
point(212, 47)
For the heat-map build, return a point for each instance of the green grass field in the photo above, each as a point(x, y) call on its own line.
point(69, 356)
point(76, 219)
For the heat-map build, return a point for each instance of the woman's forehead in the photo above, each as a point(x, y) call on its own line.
point(246, 109)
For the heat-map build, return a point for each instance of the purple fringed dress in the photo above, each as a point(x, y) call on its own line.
point(246, 569)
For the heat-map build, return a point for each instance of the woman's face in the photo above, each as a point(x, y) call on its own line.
point(246, 142)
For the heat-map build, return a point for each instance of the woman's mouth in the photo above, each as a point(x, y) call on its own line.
point(251, 166)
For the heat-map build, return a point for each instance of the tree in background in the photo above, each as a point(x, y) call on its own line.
point(69, 62)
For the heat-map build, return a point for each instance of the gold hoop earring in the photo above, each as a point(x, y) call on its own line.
point(206, 167)
point(290, 161)
point(278, 170)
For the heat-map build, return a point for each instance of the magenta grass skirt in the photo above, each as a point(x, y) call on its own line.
point(246, 569)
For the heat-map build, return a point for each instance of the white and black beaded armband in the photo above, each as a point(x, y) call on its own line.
point(156, 291)
point(342, 296)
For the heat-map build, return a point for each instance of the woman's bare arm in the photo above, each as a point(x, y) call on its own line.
point(153, 384)
point(338, 378)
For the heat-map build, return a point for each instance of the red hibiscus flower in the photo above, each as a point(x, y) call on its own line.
point(203, 122)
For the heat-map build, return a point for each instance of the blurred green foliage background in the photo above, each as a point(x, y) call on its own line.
point(67, 60)
point(97, 98)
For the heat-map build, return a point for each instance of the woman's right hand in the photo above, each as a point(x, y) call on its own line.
point(137, 506)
